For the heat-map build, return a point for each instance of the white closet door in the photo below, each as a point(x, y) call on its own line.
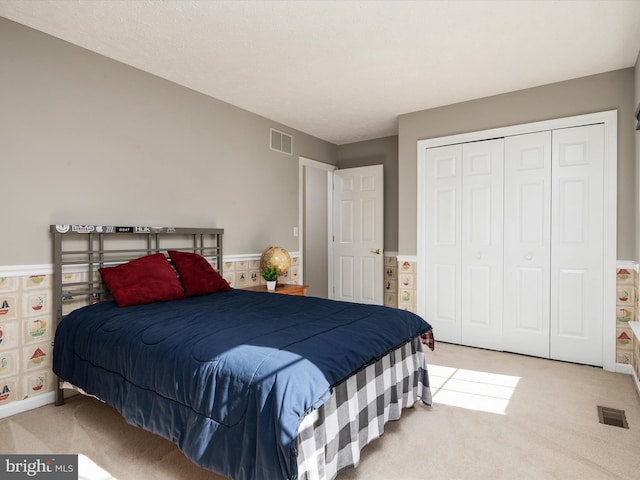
point(577, 272)
point(443, 241)
point(527, 236)
point(482, 243)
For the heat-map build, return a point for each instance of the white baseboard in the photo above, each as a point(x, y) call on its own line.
point(628, 369)
point(624, 368)
point(19, 406)
point(636, 382)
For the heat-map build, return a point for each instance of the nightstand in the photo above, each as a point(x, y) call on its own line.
point(284, 288)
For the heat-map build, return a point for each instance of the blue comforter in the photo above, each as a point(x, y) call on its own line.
point(228, 376)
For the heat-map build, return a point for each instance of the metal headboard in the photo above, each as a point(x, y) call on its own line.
point(80, 250)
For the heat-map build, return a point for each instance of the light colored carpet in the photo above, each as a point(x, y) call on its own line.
point(543, 425)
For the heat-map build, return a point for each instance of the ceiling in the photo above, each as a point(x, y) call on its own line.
point(344, 70)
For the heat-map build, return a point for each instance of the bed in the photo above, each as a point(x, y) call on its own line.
point(249, 385)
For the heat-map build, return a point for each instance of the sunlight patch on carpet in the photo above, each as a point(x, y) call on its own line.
point(89, 470)
point(471, 389)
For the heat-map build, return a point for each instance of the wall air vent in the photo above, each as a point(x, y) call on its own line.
point(281, 142)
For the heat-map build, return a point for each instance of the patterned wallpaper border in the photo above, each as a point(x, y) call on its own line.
point(627, 303)
point(26, 319)
point(26, 326)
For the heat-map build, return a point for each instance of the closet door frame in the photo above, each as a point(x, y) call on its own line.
point(610, 121)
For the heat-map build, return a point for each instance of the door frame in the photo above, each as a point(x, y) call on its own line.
point(610, 120)
point(302, 163)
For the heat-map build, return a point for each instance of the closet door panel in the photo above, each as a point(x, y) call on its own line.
point(482, 244)
point(478, 284)
point(527, 236)
point(572, 303)
point(443, 212)
point(577, 258)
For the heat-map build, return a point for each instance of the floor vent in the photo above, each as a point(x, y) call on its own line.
point(612, 416)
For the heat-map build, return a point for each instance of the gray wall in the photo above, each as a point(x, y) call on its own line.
point(607, 91)
point(381, 151)
point(85, 139)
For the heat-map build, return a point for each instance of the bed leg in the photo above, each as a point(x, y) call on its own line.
point(59, 394)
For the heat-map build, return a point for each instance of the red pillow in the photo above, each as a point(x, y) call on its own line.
point(143, 280)
point(196, 274)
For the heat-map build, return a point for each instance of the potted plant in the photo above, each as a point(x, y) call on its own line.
point(270, 274)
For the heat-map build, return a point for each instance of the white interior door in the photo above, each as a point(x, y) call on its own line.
point(358, 233)
point(527, 237)
point(482, 243)
point(443, 179)
point(577, 245)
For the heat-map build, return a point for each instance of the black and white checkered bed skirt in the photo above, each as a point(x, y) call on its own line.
point(331, 437)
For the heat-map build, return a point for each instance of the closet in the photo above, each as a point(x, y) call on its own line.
point(512, 244)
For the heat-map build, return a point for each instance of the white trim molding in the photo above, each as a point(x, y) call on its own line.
point(24, 270)
point(628, 264)
point(407, 258)
point(20, 406)
point(307, 162)
point(626, 368)
point(251, 256)
point(47, 269)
